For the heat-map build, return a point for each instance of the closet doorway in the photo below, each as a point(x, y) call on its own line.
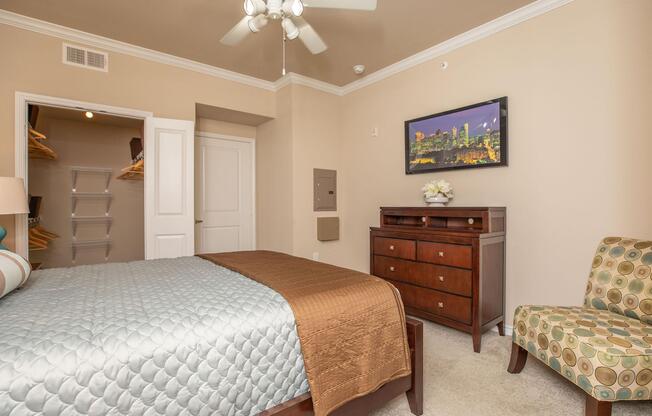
point(167, 189)
point(86, 187)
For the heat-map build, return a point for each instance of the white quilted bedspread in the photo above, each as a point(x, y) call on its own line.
point(160, 337)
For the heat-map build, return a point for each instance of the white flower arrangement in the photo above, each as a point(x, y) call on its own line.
point(436, 187)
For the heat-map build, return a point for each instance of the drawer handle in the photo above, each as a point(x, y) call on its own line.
point(441, 254)
point(423, 219)
point(440, 305)
point(391, 268)
point(391, 248)
point(441, 278)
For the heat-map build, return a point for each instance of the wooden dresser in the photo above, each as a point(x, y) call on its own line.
point(448, 264)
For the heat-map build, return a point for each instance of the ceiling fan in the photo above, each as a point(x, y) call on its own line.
point(260, 12)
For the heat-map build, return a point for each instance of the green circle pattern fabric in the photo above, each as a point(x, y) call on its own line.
point(604, 347)
point(620, 279)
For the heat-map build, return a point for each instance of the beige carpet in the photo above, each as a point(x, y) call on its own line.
point(460, 382)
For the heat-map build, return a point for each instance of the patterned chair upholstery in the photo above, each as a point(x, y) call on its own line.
point(605, 346)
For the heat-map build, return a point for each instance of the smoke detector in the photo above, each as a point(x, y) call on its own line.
point(358, 69)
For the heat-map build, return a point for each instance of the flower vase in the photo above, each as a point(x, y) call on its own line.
point(438, 200)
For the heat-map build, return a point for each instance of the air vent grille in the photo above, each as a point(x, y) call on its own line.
point(94, 59)
point(75, 55)
point(84, 57)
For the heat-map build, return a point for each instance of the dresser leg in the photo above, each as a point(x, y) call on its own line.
point(501, 328)
point(477, 340)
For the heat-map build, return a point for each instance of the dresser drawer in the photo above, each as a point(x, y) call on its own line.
point(447, 279)
point(444, 278)
point(446, 254)
point(394, 247)
point(435, 302)
point(393, 268)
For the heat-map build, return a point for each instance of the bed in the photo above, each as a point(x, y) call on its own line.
point(170, 336)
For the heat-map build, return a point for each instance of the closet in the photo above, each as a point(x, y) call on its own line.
point(86, 186)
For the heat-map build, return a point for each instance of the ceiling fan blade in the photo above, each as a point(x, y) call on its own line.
point(309, 36)
point(237, 33)
point(342, 4)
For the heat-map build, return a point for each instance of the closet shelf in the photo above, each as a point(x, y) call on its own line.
point(91, 195)
point(76, 196)
point(76, 245)
point(76, 170)
point(91, 220)
point(91, 243)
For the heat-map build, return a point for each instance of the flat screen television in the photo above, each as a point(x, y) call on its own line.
point(474, 136)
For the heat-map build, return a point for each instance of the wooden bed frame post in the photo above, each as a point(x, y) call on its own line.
point(411, 385)
point(415, 339)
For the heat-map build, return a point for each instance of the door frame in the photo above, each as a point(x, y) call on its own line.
point(207, 135)
point(21, 167)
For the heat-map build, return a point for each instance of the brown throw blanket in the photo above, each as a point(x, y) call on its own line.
point(351, 325)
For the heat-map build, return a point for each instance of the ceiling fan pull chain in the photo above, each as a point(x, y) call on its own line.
point(284, 39)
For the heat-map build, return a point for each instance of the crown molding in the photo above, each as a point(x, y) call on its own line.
point(298, 79)
point(501, 23)
point(513, 18)
point(77, 36)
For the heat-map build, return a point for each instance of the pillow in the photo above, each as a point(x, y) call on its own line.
point(14, 271)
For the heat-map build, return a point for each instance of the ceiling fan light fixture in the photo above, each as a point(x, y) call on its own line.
point(254, 7)
point(257, 23)
point(293, 7)
point(275, 9)
point(291, 30)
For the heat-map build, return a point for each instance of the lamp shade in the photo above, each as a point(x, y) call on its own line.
point(13, 199)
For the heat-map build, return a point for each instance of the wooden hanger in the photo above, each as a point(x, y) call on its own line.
point(37, 149)
point(43, 234)
point(39, 237)
point(135, 171)
point(37, 135)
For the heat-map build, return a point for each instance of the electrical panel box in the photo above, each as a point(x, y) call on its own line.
point(328, 228)
point(325, 190)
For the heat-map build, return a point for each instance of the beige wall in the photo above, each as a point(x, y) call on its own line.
point(207, 125)
point(577, 79)
point(316, 130)
point(31, 63)
point(87, 144)
point(578, 82)
point(274, 178)
point(303, 137)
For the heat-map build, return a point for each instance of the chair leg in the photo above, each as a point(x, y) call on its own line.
point(518, 359)
point(595, 407)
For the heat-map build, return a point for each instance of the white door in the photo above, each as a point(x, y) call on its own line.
point(225, 211)
point(169, 188)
